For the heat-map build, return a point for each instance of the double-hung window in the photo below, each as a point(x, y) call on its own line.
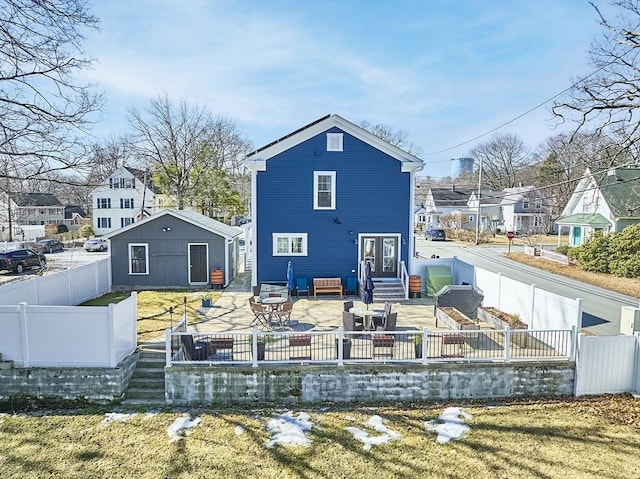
point(104, 203)
point(324, 190)
point(289, 244)
point(104, 222)
point(138, 258)
point(126, 203)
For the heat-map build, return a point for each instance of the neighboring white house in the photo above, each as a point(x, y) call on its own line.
point(602, 201)
point(29, 213)
point(525, 210)
point(125, 197)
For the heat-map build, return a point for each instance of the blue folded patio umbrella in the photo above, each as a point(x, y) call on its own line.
point(367, 291)
point(290, 279)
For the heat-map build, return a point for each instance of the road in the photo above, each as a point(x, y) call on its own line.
point(601, 307)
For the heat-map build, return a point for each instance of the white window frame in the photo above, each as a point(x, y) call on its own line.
point(125, 221)
point(102, 221)
point(289, 237)
point(126, 203)
point(316, 176)
point(103, 203)
point(335, 142)
point(130, 247)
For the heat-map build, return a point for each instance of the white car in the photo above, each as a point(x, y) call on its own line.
point(96, 244)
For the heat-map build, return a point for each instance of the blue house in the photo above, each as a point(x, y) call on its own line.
point(329, 197)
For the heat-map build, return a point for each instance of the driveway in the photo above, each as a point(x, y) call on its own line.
point(601, 307)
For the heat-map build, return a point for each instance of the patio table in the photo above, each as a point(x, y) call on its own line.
point(367, 314)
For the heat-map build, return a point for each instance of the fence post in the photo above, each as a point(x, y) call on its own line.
point(532, 309)
point(167, 347)
point(507, 344)
point(111, 336)
point(574, 343)
point(499, 281)
point(425, 348)
point(254, 348)
point(340, 346)
point(24, 335)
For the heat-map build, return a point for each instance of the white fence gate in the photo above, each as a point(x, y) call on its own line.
point(607, 364)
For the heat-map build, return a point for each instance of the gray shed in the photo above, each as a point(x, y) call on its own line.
point(173, 249)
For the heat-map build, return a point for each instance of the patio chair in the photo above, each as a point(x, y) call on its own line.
point(359, 320)
point(302, 286)
point(352, 285)
point(389, 323)
point(383, 345)
point(347, 305)
point(299, 347)
point(196, 350)
point(349, 323)
point(283, 315)
point(261, 317)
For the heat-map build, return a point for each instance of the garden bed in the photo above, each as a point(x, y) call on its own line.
point(454, 319)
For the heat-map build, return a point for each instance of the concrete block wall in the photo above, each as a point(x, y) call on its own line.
point(93, 384)
point(190, 385)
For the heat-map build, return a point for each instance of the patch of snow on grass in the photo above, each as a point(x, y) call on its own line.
point(449, 426)
point(374, 422)
point(182, 427)
point(239, 430)
point(115, 417)
point(289, 429)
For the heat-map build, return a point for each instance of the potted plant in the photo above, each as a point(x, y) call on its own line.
point(263, 340)
point(417, 344)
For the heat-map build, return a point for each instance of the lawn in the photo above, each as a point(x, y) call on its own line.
point(154, 314)
point(551, 438)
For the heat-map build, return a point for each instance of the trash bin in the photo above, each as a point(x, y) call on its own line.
point(346, 348)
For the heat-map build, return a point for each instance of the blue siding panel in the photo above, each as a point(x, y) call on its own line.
point(372, 196)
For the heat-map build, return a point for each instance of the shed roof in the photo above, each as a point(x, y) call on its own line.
point(196, 219)
point(620, 188)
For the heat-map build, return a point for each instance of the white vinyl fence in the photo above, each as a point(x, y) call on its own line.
point(536, 307)
point(68, 336)
point(65, 288)
point(607, 364)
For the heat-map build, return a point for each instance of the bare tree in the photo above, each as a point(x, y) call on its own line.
point(608, 99)
point(503, 158)
point(398, 138)
point(44, 111)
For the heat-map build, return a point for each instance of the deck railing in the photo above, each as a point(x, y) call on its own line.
point(321, 347)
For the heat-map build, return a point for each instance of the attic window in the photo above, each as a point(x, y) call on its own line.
point(334, 142)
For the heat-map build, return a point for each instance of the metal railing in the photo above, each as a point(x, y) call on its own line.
point(321, 347)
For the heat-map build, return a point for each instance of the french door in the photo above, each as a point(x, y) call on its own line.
point(382, 253)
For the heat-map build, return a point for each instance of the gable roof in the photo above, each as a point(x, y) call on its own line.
point(35, 199)
point(70, 210)
point(257, 159)
point(620, 188)
point(196, 219)
point(451, 196)
point(515, 194)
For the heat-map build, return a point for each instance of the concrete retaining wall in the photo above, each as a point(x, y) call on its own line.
point(190, 385)
point(93, 384)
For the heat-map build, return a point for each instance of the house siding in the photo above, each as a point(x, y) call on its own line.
point(168, 253)
point(372, 197)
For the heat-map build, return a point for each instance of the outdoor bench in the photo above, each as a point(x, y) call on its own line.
point(327, 285)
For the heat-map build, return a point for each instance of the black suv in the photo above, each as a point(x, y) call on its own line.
point(20, 259)
point(435, 234)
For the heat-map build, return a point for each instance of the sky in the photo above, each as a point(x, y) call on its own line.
point(444, 72)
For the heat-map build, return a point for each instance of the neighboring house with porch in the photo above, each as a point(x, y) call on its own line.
point(449, 201)
point(602, 201)
point(329, 197)
point(173, 249)
point(125, 197)
point(525, 210)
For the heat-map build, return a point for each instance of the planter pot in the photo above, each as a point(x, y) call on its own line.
point(418, 348)
point(346, 348)
point(261, 351)
point(206, 303)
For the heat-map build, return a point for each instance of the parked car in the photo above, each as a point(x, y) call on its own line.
point(96, 244)
point(49, 246)
point(435, 234)
point(20, 259)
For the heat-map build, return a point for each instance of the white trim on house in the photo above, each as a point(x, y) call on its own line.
point(289, 238)
point(130, 247)
point(257, 161)
point(335, 141)
point(317, 191)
